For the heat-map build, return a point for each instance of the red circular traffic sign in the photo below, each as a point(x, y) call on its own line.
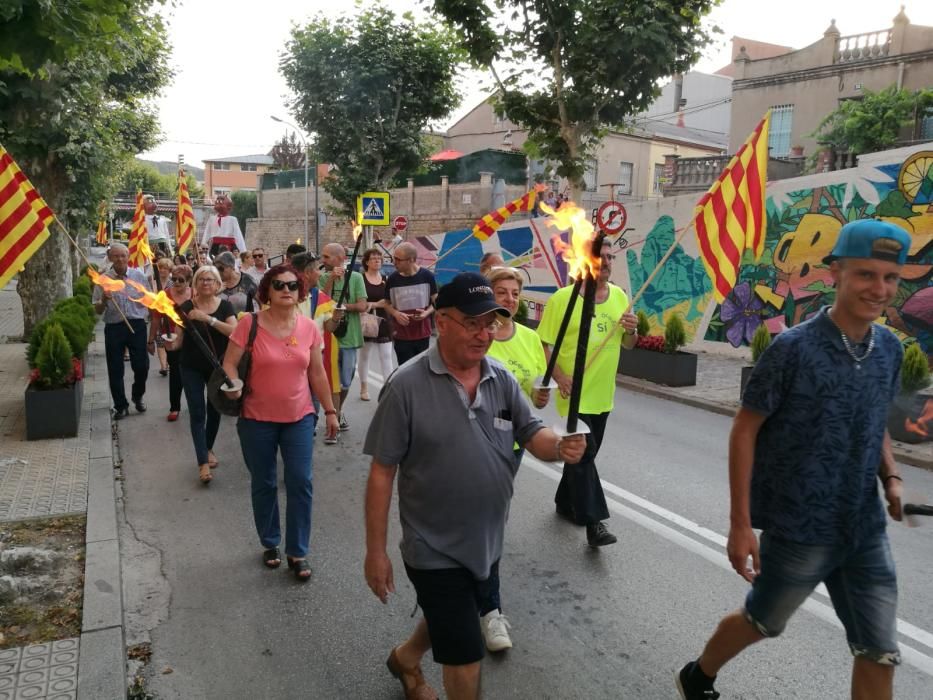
point(611, 217)
point(400, 223)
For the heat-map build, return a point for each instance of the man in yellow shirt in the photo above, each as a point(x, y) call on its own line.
point(580, 496)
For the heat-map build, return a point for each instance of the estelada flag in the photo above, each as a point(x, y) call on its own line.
point(24, 218)
point(730, 218)
point(186, 226)
point(140, 252)
point(491, 222)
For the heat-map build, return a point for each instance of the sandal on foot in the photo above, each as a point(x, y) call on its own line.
point(416, 688)
point(205, 474)
point(272, 558)
point(212, 461)
point(301, 568)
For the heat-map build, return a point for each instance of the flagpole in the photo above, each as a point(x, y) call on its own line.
point(642, 290)
point(458, 244)
point(81, 253)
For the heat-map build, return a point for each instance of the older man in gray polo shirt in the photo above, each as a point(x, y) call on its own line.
point(447, 422)
point(118, 337)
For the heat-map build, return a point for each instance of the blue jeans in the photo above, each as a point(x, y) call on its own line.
point(861, 581)
point(117, 338)
point(347, 363)
point(260, 441)
point(202, 416)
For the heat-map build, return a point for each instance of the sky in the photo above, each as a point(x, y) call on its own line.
point(226, 55)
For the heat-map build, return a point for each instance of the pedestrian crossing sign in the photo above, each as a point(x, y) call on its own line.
point(372, 209)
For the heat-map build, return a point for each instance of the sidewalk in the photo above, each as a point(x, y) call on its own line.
point(44, 478)
point(717, 390)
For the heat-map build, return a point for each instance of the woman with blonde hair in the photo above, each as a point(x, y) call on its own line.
point(213, 319)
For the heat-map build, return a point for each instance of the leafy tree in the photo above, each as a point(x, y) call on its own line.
point(75, 79)
point(873, 123)
point(244, 206)
point(287, 153)
point(366, 87)
point(138, 174)
point(578, 66)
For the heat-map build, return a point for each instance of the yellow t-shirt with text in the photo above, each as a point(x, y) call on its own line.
point(522, 355)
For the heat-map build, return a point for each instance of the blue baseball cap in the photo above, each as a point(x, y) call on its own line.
point(859, 239)
point(470, 294)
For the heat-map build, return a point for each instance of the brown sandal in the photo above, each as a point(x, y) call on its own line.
point(205, 474)
point(416, 688)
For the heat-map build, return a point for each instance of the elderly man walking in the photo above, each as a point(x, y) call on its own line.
point(118, 338)
point(447, 422)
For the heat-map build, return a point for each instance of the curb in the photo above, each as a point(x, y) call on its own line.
point(659, 391)
point(102, 661)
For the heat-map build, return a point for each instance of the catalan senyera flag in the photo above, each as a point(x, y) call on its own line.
point(102, 224)
point(490, 223)
point(186, 226)
point(140, 253)
point(24, 218)
point(730, 218)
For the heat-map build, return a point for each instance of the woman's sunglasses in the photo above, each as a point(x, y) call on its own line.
point(180, 280)
point(279, 285)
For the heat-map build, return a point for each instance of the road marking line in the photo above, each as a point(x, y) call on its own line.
point(823, 611)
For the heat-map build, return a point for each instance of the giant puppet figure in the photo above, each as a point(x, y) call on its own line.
point(221, 228)
point(157, 227)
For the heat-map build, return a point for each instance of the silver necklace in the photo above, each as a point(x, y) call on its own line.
point(851, 349)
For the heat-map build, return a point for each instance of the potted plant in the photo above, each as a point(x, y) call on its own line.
point(904, 417)
point(55, 390)
point(760, 341)
point(659, 359)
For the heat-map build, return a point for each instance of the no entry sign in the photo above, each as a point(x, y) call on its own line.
point(611, 217)
point(400, 223)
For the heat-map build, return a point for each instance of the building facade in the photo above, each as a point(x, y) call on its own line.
point(802, 87)
point(226, 175)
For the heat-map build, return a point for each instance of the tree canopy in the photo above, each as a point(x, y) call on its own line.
point(288, 153)
point(577, 67)
point(874, 122)
point(366, 87)
point(139, 175)
point(75, 86)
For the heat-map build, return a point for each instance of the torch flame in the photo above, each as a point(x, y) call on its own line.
point(579, 254)
point(157, 302)
point(357, 230)
point(107, 283)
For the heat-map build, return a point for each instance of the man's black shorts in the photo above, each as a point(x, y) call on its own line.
point(448, 598)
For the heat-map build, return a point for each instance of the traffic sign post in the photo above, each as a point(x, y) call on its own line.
point(611, 218)
point(372, 209)
point(399, 224)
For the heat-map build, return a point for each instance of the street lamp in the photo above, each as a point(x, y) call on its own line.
point(317, 235)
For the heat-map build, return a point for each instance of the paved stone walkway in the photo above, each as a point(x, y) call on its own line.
point(48, 671)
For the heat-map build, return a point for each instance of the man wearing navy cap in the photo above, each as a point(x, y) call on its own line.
point(447, 421)
point(806, 453)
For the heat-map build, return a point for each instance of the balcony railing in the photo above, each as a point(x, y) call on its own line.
point(860, 47)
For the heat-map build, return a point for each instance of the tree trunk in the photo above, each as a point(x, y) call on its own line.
point(45, 279)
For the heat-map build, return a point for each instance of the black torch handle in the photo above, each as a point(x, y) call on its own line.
point(917, 509)
point(349, 273)
point(562, 331)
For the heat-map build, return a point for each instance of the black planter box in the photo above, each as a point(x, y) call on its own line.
point(746, 375)
point(53, 413)
point(670, 369)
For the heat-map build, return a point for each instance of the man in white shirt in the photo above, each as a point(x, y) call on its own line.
point(157, 227)
point(221, 228)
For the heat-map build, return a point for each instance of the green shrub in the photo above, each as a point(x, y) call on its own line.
point(644, 326)
point(53, 360)
point(83, 287)
point(915, 370)
point(72, 316)
point(80, 306)
point(760, 342)
point(521, 313)
point(675, 337)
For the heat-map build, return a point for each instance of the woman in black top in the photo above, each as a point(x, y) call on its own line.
point(382, 343)
point(213, 319)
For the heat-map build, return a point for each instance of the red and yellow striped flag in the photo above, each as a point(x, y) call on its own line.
point(102, 224)
point(490, 223)
point(140, 252)
point(730, 218)
point(185, 226)
point(24, 218)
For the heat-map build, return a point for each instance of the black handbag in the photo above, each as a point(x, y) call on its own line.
point(219, 399)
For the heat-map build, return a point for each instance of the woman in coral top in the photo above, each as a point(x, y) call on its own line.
point(277, 413)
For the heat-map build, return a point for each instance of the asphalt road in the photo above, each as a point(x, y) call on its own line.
point(589, 624)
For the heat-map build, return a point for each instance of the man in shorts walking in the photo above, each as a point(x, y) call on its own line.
point(807, 451)
point(447, 422)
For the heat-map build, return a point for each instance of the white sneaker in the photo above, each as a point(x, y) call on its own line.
point(496, 631)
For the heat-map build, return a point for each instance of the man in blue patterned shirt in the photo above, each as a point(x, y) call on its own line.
point(806, 451)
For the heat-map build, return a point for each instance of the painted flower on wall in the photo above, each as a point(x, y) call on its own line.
point(741, 314)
